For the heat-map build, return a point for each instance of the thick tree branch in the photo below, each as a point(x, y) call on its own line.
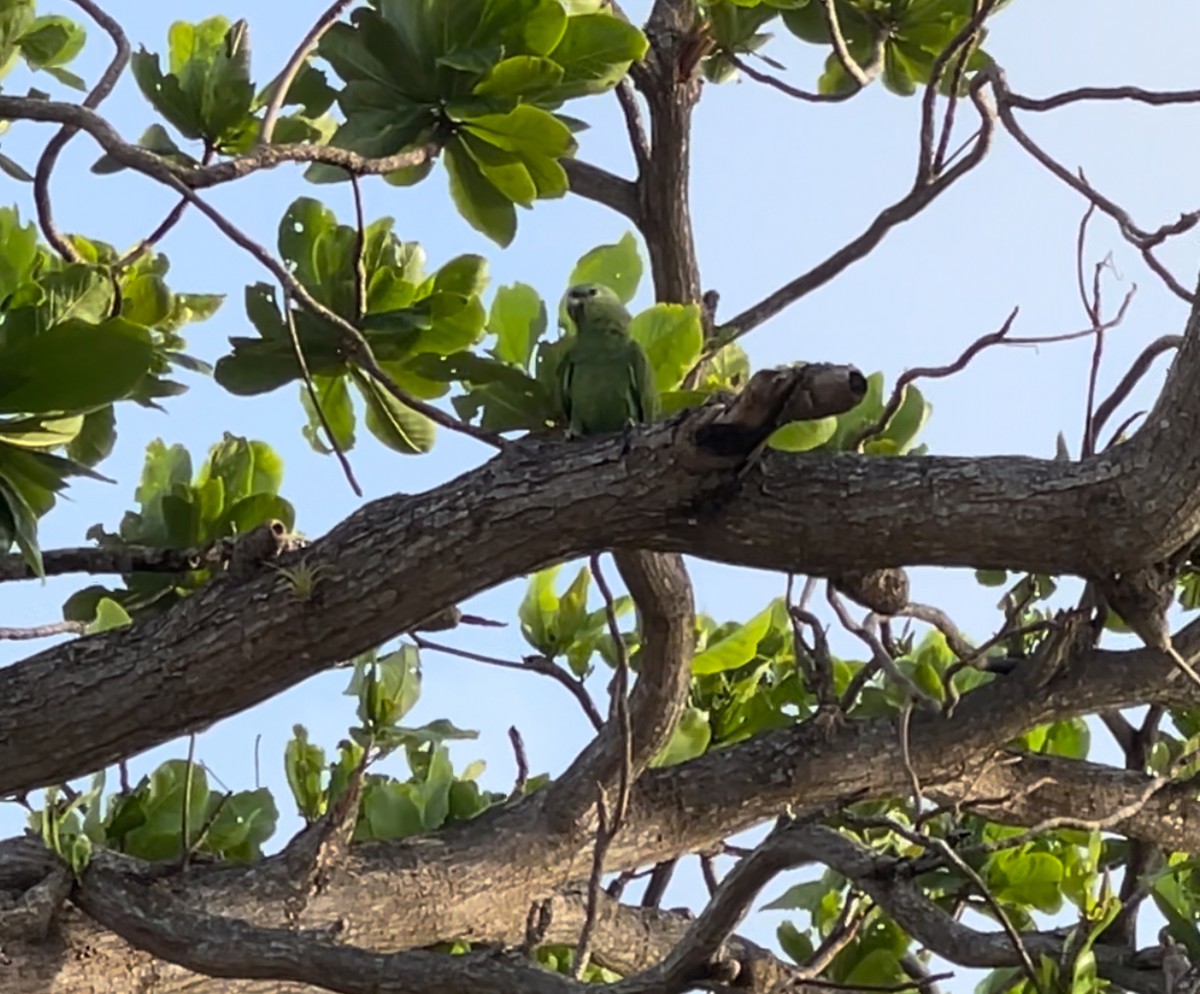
point(662, 592)
point(466, 878)
point(593, 183)
point(132, 688)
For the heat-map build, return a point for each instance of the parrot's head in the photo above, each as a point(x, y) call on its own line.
point(593, 306)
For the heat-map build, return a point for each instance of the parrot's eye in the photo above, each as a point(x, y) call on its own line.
point(590, 291)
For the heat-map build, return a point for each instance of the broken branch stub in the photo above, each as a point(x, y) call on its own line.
point(775, 397)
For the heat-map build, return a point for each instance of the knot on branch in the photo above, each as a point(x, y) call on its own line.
point(884, 591)
point(775, 397)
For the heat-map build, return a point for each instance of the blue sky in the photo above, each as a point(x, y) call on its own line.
point(777, 186)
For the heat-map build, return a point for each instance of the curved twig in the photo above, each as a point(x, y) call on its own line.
point(283, 82)
point(49, 156)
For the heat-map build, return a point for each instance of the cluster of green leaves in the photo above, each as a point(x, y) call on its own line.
point(75, 339)
point(147, 821)
point(236, 489)
point(207, 95)
point(433, 795)
point(511, 384)
point(479, 80)
point(842, 432)
point(913, 33)
point(376, 282)
point(45, 43)
point(1025, 877)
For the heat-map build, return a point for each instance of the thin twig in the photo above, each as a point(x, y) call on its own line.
point(1137, 370)
point(933, 372)
point(314, 398)
point(1139, 237)
point(947, 853)
point(352, 340)
point(49, 156)
point(914, 781)
point(849, 921)
point(879, 654)
point(522, 778)
point(840, 48)
point(164, 227)
point(202, 835)
point(530, 664)
point(638, 140)
point(610, 821)
point(44, 631)
point(786, 88)
point(981, 11)
point(656, 885)
point(185, 842)
point(822, 669)
point(708, 871)
point(929, 156)
point(904, 209)
point(283, 81)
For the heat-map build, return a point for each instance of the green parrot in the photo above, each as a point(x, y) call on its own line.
point(605, 381)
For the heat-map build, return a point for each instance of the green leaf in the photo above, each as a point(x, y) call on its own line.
point(334, 398)
point(1026, 878)
point(73, 366)
point(737, 648)
point(483, 206)
point(146, 300)
point(617, 266)
point(14, 169)
point(391, 812)
point(538, 610)
point(396, 425)
point(162, 796)
point(18, 524)
point(878, 968)
point(18, 247)
point(464, 274)
point(794, 943)
point(109, 614)
point(803, 436)
point(518, 320)
point(244, 822)
point(52, 40)
point(520, 76)
point(304, 765)
point(595, 52)
point(673, 338)
point(689, 740)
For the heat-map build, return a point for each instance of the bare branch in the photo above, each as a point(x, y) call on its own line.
point(906, 208)
point(1137, 369)
point(530, 664)
point(638, 139)
point(609, 819)
point(283, 82)
point(522, 778)
point(44, 631)
point(314, 398)
point(593, 183)
point(842, 50)
point(931, 161)
point(103, 87)
point(786, 88)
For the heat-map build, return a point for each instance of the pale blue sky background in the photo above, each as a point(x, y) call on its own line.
point(777, 186)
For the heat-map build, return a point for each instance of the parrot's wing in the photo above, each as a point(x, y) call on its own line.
point(645, 396)
point(566, 372)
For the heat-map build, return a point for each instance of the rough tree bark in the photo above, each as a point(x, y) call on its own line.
point(399, 560)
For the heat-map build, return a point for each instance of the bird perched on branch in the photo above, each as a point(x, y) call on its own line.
point(605, 380)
